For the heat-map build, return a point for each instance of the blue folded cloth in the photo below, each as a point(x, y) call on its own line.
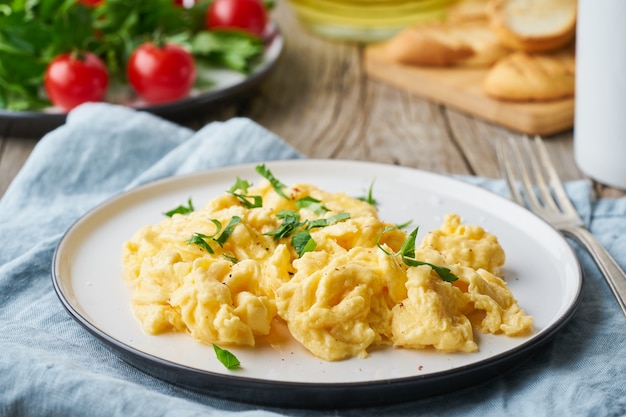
point(51, 366)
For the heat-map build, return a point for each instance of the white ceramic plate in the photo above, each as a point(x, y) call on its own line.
point(541, 270)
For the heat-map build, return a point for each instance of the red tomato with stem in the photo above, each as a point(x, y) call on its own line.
point(160, 74)
point(247, 15)
point(76, 78)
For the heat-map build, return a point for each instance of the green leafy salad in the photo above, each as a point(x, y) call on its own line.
point(35, 35)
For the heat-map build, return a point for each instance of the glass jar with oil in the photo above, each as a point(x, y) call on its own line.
point(366, 20)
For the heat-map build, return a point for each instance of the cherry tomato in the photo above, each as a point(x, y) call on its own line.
point(91, 3)
point(161, 74)
point(187, 4)
point(248, 15)
point(73, 79)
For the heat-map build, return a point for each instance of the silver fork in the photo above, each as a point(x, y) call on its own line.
point(528, 163)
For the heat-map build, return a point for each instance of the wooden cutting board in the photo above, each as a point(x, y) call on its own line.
point(460, 88)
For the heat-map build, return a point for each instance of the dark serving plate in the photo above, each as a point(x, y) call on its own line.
point(228, 86)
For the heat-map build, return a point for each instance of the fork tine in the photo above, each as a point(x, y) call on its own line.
point(506, 170)
point(527, 183)
point(537, 169)
point(555, 182)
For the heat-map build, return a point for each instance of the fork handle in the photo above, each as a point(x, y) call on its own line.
point(614, 275)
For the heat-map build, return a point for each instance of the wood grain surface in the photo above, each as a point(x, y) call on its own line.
point(321, 100)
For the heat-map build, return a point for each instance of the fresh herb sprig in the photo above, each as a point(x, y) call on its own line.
point(407, 254)
point(301, 238)
point(313, 204)
point(181, 209)
point(203, 240)
point(327, 221)
point(369, 197)
point(226, 358)
point(228, 230)
point(303, 242)
point(276, 184)
point(290, 223)
point(240, 190)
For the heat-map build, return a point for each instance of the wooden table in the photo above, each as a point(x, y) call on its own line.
point(321, 101)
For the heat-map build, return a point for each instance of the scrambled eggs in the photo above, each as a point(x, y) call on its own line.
point(325, 264)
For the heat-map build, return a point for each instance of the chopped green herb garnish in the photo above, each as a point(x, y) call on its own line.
point(202, 240)
point(301, 238)
point(443, 272)
point(228, 48)
point(291, 222)
point(276, 184)
point(292, 225)
point(408, 246)
point(369, 198)
point(198, 239)
point(227, 359)
point(248, 201)
point(240, 184)
point(303, 242)
point(231, 258)
point(234, 221)
point(328, 221)
point(218, 227)
point(181, 209)
point(407, 253)
point(404, 225)
point(312, 204)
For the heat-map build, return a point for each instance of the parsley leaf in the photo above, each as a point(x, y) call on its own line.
point(227, 359)
point(408, 246)
point(303, 242)
point(231, 49)
point(407, 253)
point(181, 209)
point(276, 184)
point(218, 227)
point(404, 225)
point(198, 239)
point(443, 272)
point(369, 198)
point(328, 221)
point(291, 222)
point(240, 184)
point(203, 240)
point(312, 204)
point(234, 221)
point(231, 258)
point(248, 201)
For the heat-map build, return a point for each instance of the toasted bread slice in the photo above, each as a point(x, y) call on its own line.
point(523, 76)
point(467, 10)
point(533, 25)
point(445, 44)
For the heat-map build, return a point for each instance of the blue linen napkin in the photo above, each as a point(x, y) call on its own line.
point(51, 366)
